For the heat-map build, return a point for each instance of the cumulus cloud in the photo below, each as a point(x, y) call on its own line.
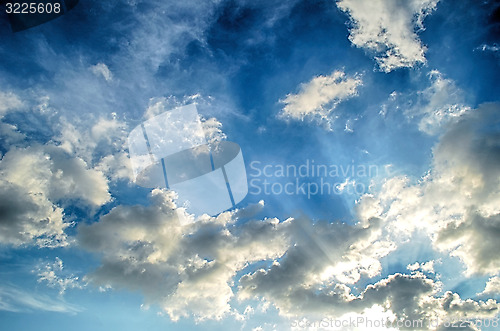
point(35, 182)
point(186, 270)
point(116, 166)
point(405, 297)
point(312, 266)
point(319, 97)
point(492, 286)
point(424, 266)
point(310, 281)
point(26, 217)
point(91, 138)
point(213, 130)
point(388, 29)
point(458, 201)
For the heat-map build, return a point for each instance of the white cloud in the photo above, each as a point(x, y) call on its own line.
point(116, 166)
point(492, 286)
point(404, 297)
point(425, 266)
point(54, 276)
point(211, 127)
point(387, 28)
point(457, 202)
point(186, 270)
point(190, 270)
point(158, 106)
point(438, 105)
point(27, 216)
point(101, 69)
point(9, 101)
point(213, 130)
point(319, 97)
point(91, 138)
point(36, 182)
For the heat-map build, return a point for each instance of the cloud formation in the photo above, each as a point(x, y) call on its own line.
point(9, 101)
point(456, 203)
point(435, 107)
point(387, 29)
point(492, 286)
point(318, 98)
point(310, 270)
point(54, 276)
point(36, 182)
point(186, 270)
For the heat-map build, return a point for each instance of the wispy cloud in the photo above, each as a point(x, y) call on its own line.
point(434, 107)
point(54, 276)
point(18, 300)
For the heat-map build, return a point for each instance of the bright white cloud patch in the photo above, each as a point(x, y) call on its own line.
point(387, 28)
point(319, 97)
point(425, 266)
point(492, 286)
point(212, 127)
point(458, 201)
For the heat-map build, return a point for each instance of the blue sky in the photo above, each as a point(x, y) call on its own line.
point(403, 93)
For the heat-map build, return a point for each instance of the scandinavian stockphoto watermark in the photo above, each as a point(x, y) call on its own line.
point(310, 178)
point(170, 151)
point(367, 323)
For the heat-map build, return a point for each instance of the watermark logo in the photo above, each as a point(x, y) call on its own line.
point(170, 151)
point(310, 178)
